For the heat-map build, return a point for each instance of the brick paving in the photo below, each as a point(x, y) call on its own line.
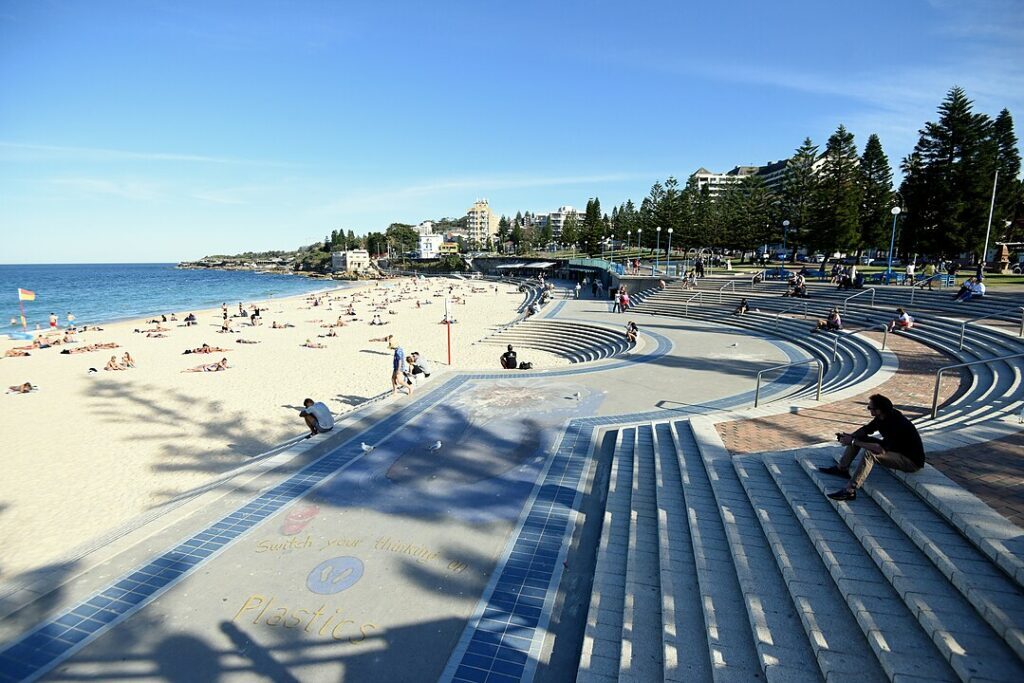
point(910, 389)
point(993, 471)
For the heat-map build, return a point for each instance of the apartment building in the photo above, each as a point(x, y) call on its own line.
point(481, 222)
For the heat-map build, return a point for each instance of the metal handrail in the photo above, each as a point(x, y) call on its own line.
point(753, 278)
point(731, 283)
point(686, 304)
point(787, 310)
point(938, 375)
point(963, 327)
point(757, 389)
point(847, 299)
point(882, 326)
point(922, 283)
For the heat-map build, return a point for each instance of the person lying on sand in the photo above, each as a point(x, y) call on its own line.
point(210, 367)
point(112, 364)
point(246, 341)
point(205, 348)
point(21, 388)
point(330, 333)
point(156, 335)
point(313, 345)
point(16, 353)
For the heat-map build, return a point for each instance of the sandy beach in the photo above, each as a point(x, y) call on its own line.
point(89, 451)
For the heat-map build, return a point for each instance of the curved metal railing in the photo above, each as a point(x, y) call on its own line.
point(940, 371)
point(862, 293)
point(699, 296)
point(882, 326)
point(788, 309)
point(821, 367)
point(963, 327)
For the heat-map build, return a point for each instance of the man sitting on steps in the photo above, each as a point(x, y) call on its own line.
point(900, 447)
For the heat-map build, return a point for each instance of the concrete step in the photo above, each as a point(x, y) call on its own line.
point(602, 640)
point(775, 626)
point(733, 654)
point(897, 638)
point(684, 641)
point(641, 658)
point(966, 640)
point(830, 629)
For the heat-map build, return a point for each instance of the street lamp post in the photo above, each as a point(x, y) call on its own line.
point(668, 254)
point(611, 249)
point(657, 249)
point(895, 211)
point(988, 230)
point(785, 229)
point(629, 234)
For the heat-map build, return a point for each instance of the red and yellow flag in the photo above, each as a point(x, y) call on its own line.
point(26, 295)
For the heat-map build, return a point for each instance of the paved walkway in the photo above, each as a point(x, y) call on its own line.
point(425, 540)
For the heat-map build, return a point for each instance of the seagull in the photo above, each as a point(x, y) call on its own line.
point(732, 345)
point(577, 395)
point(436, 446)
point(366, 447)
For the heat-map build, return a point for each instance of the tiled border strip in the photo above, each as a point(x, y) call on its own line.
point(39, 650)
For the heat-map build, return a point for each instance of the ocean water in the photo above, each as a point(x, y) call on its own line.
point(98, 293)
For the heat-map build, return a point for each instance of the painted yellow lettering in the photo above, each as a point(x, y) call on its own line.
point(253, 602)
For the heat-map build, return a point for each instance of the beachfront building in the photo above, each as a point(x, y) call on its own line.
point(424, 228)
point(352, 261)
point(448, 248)
point(481, 222)
point(430, 245)
point(773, 174)
point(556, 219)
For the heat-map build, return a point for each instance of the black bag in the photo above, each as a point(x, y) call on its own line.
point(526, 366)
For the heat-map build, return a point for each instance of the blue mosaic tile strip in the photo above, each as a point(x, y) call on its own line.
point(49, 643)
point(554, 310)
point(496, 645)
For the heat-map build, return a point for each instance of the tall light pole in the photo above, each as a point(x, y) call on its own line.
point(657, 249)
point(611, 249)
point(668, 254)
point(629, 234)
point(895, 211)
point(988, 230)
point(785, 229)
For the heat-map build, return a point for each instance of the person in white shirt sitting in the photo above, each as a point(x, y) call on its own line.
point(317, 416)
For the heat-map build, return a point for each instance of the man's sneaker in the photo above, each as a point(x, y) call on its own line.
point(844, 494)
point(835, 471)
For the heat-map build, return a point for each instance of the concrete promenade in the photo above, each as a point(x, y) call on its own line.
point(473, 532)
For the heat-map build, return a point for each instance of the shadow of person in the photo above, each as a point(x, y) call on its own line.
point(203, 661)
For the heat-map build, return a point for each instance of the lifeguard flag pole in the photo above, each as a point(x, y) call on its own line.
point(23, 296)
point(448, 326)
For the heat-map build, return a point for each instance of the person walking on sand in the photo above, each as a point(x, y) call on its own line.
point(317, 416)
point(398, 370)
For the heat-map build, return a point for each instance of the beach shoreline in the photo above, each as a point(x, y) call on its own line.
point(89, 451)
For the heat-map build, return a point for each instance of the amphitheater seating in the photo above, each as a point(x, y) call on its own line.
point(725, 568)
point(719, 567)
point(577, 342)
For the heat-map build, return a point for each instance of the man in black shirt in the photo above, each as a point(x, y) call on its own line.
point(900, 447)
point(508, 359)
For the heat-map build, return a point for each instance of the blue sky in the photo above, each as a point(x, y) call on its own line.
point(166, 130)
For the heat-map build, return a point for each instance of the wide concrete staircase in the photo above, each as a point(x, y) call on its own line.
point(719, 568)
